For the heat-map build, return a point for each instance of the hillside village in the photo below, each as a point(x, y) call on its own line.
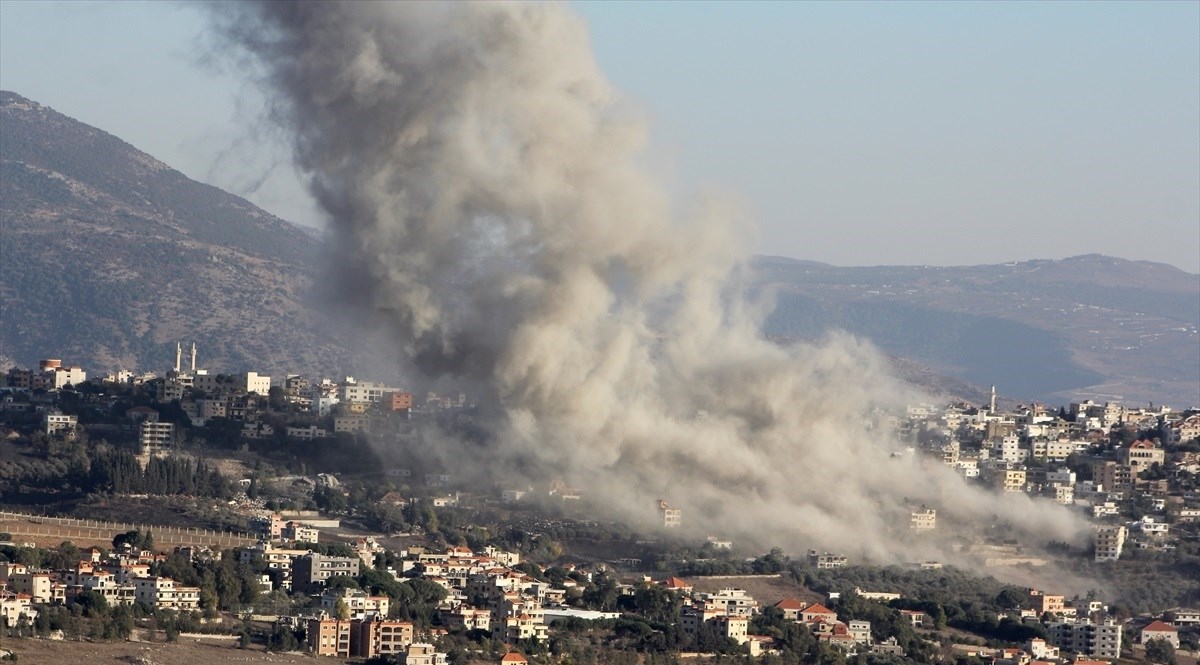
point(404, 585)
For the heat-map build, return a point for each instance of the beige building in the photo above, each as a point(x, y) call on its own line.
point(329, 637)
point(301, 533)
point(13, 606)
point(422, 654)
point(672, 517)
point(529, 626)
point(1044, 602)
point(35, 585)
point(360, 603)
point(1160, 630)
point(350, 423)
point(372, 636)
point(163, 593)
point(736, 628)
point(1141, 455)
point(1109, 541)
point(923, 520)
point(1010, 480)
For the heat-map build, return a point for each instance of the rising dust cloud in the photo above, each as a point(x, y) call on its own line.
point(483, 187)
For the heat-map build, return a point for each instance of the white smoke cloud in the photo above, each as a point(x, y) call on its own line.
point(482, 181)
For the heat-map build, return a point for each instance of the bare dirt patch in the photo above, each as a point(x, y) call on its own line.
point(186, 651)
point(766, 590)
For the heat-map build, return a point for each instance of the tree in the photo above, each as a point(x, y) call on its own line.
point(133, 540)
point(1008, 599)
point(275, 398)
point(283, 639)
point(336, 582)
point(1159, 650)
point(341, 611)
point(92, 603)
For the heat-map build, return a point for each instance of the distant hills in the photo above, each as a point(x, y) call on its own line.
point(108, 257)
point(1087, 326)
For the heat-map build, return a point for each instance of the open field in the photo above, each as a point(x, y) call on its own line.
point(51, 531)
point(187, 651)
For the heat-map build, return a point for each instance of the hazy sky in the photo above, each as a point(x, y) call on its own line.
point(856, 133)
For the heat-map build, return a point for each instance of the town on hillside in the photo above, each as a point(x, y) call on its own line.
point(209, 506)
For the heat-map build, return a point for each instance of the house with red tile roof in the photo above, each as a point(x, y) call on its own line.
point(817, 612)
point(677, 584)
point(1160, 630)
point(791, 608)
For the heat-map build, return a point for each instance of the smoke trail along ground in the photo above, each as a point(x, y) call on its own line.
point(482, 182)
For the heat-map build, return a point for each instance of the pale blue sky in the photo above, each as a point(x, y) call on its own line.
point(857, 133)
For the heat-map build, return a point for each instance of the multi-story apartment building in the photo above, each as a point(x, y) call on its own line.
point(36, 585)
point(1085, 638)
point(329, 637)
point(727, 602)
point(1052, 451)
point(57, 376)
point(356, 391)
point(155, 438)
point(311, 570)
point(163, 593)
point(13, 606)
point(1113, 476)
point(1109, 541)
point(355, 422)
point(1009, 479)
point(360, 603)
point(372, 636)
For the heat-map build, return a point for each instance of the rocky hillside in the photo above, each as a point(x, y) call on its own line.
point(111, 256)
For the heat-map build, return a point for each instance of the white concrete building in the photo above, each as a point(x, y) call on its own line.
point(355, 391)
point(163, 593)
point(59, 423)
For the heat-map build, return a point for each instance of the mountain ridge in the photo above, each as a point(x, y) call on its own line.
point(111, 256)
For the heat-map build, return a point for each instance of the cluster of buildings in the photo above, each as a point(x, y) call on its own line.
point(483, 592)
point(120, 577)
point(1132, 455)
point(51, 374)
point(729, 611)
point(293, 409)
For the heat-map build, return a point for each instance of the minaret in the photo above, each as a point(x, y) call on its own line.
point(193, 357)
point(178, 355)
point(992, 402)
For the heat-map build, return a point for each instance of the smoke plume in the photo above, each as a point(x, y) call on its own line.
point(483, 186)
